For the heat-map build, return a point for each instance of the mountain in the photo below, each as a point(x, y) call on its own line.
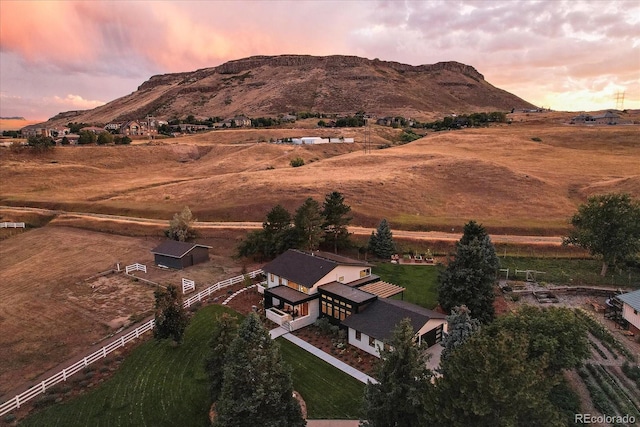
point(272, 85)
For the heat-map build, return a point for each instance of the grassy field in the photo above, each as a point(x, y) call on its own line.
point(421, 282)
point(498, 176)
point(568, 271)
point(328, 393)
point(158, 385)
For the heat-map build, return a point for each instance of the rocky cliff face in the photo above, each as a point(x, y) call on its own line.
point(273, 85)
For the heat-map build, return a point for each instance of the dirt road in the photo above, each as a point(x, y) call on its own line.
point(360, 231)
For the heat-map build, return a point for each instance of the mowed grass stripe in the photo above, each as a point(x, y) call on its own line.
point(328, 392)
point(157, 385)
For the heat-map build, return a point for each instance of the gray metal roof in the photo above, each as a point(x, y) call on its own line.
point(631, 298)
point(175, 249)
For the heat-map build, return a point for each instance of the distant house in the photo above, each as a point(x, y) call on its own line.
point(93, 129)
point(179, 255)
point(631, 309)
point(608, 118)
point(304, 286)
point(113, 127)
point(131, 128)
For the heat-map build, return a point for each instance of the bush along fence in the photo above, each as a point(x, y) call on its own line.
point(20, 399)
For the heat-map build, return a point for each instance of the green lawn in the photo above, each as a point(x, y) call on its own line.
point(328, 392)
point(158, 385)
point(421, 282)
point(570, 271)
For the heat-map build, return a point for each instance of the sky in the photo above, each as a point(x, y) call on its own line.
point(565, 55)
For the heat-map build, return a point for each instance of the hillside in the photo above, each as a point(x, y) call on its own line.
point(272, 85)
point(498, 176)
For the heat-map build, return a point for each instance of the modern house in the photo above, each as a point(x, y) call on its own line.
point(179, 255)
point(631, 309)
point(305, 286)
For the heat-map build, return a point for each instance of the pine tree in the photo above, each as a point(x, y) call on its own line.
point(461, 326)
point(170, 317)
point(336, 220)
point(224, 331)
point(308, 223)
point(403, 394)
point(469, 278)
point(382, 244)
point(257, 388)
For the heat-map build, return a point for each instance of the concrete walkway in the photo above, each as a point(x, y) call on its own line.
point(360, 376)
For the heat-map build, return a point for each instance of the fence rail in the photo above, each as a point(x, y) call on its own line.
point(20, 399)
point(12, 225)
point(135, 267)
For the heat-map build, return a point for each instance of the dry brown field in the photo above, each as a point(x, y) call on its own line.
point(50, 312)
point(498, 176)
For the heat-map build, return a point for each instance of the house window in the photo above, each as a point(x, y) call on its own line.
point(364, 273)
point(358, 335)
point(372, 342)
point(280, 280)
point(635, 312)
point(303, 289)
point(324, 307)
point(341, 279)
point(271, 277)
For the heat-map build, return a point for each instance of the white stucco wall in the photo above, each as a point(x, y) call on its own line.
point(348, 273)
point(363, 344)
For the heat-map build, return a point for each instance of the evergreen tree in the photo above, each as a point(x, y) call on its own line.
point(224, 331)
point(336, 220)
point(308, 223)
point(461, 326)
point(402, 396)
point(181, 226)
point(279, 234)
point(382, 244)
point(170, 317)
point(257, 388)
point(469, 278)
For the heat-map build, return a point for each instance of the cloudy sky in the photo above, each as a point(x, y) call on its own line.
point(566, 55)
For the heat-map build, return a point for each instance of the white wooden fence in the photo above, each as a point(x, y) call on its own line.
point(63, 375)
point(135, 267)
point(12, 225)
point(188, 285)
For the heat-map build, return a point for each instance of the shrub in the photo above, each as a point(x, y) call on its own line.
point(9, 418)
point(632, 372)
point(44, 400)
point(536, 139)
point(297, 162)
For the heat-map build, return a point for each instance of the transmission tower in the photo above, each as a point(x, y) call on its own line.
point(620, 101)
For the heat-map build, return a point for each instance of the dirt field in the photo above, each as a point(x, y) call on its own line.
point(499, 176)
point(49, 312)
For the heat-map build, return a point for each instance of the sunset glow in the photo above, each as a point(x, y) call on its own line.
point(574, 56)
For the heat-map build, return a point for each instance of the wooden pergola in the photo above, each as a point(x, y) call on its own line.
point(383, 289)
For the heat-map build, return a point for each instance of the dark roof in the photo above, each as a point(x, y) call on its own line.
point(631, 298)
point(354, 295)
point(290, 295)
point(339, 259)
point(361, 282)
point(380, 317)
point(175, 249)
point(300, 267)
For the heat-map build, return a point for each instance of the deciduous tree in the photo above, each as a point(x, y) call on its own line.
point(608, 226)
point(404, 393)
point(181, 226)
point(469, 278)
point(257, 388)
point(336, 220)
point(487, 383)
point(170, 317)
